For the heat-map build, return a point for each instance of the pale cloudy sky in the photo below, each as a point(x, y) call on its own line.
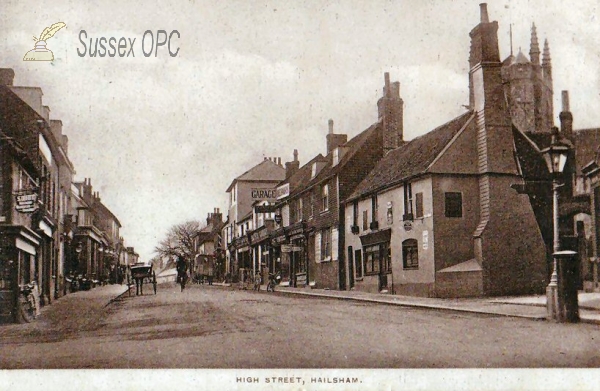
point(163, 137)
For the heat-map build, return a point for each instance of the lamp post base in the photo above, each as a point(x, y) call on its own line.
point(552, 302)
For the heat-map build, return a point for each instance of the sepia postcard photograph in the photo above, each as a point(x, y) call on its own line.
point(299, 195)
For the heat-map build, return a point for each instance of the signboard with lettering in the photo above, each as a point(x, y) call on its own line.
point(265, 209)
point(261, 194)
point(283, 191)
point(26, 203)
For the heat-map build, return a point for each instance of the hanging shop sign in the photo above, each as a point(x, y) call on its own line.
point(26, 203)
point(265, 209)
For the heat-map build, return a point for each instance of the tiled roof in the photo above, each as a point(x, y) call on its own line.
point(352, 146)
point(587, 142)
point(264, 171)
point(302, 176)
point(410, 159)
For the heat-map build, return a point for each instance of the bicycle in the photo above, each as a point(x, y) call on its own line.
point(27, 303)
point(273, 280)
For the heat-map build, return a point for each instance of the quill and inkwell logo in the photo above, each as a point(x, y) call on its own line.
point(40, 52)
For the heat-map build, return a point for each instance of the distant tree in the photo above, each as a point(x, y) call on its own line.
point(179, 241)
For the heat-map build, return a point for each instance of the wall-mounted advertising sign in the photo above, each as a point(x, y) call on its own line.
point(26, 202)
point(261, 194)
point(283, 191)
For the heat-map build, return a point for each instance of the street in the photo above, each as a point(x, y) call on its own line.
point(217, 327)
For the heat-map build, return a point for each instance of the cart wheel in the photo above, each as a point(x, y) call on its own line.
point(154, 281)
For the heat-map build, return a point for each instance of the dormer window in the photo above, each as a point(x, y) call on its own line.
point(313, 171)
point(336, 156)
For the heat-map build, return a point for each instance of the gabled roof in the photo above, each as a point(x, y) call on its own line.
point(531, 163)
point(410, 159)
point(302, 176)
point(266, 170)
point(352, 147)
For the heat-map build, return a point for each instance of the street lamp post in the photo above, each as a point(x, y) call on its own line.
point(556, 157)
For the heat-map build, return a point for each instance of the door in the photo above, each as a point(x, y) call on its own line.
point(350, 267)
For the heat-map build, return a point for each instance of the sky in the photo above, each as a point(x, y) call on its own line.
point(162, 137)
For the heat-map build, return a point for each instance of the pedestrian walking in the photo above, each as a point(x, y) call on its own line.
point(257, 281)
point(182, 268)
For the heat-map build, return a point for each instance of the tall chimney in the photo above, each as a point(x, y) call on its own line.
point(334, 140)
point(293, 166)
point(7, 76)
point(391, 114)
point(566, 118)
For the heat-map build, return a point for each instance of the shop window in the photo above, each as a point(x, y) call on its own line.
point(372, 259)
point(453, 204)
point(419, 205)
point(377, 259)
point(410, 254)
point(358, 263)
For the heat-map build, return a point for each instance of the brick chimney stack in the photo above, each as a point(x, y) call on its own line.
point(391, 113)
point(7, 76)
point(293, 166)
point(566, 118)
point(334, 140)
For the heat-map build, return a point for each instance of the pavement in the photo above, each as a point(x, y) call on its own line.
point(530, 307)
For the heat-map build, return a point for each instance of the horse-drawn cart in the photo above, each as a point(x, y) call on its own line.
point(142, 273)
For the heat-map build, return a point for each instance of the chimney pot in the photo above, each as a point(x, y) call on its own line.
point(484, 13)
point(330, 126)
point(386, 77)
point(565, 101)
point(295, 155)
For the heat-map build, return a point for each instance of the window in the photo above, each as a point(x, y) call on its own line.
point(358, 264)
point(325, 197)
point(374, 208)
point(299, 209)
point(377, 258)
point(372, 259)
point(365, 220)
point(325, 243)
point(453, 204)
point(312, 204)
point(410, 254)
point(408, 209)
point(355, 213)
point(419, 205)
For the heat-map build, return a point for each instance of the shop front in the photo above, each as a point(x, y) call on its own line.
point(294, 256)
point(261, 251)
point(18, 250)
